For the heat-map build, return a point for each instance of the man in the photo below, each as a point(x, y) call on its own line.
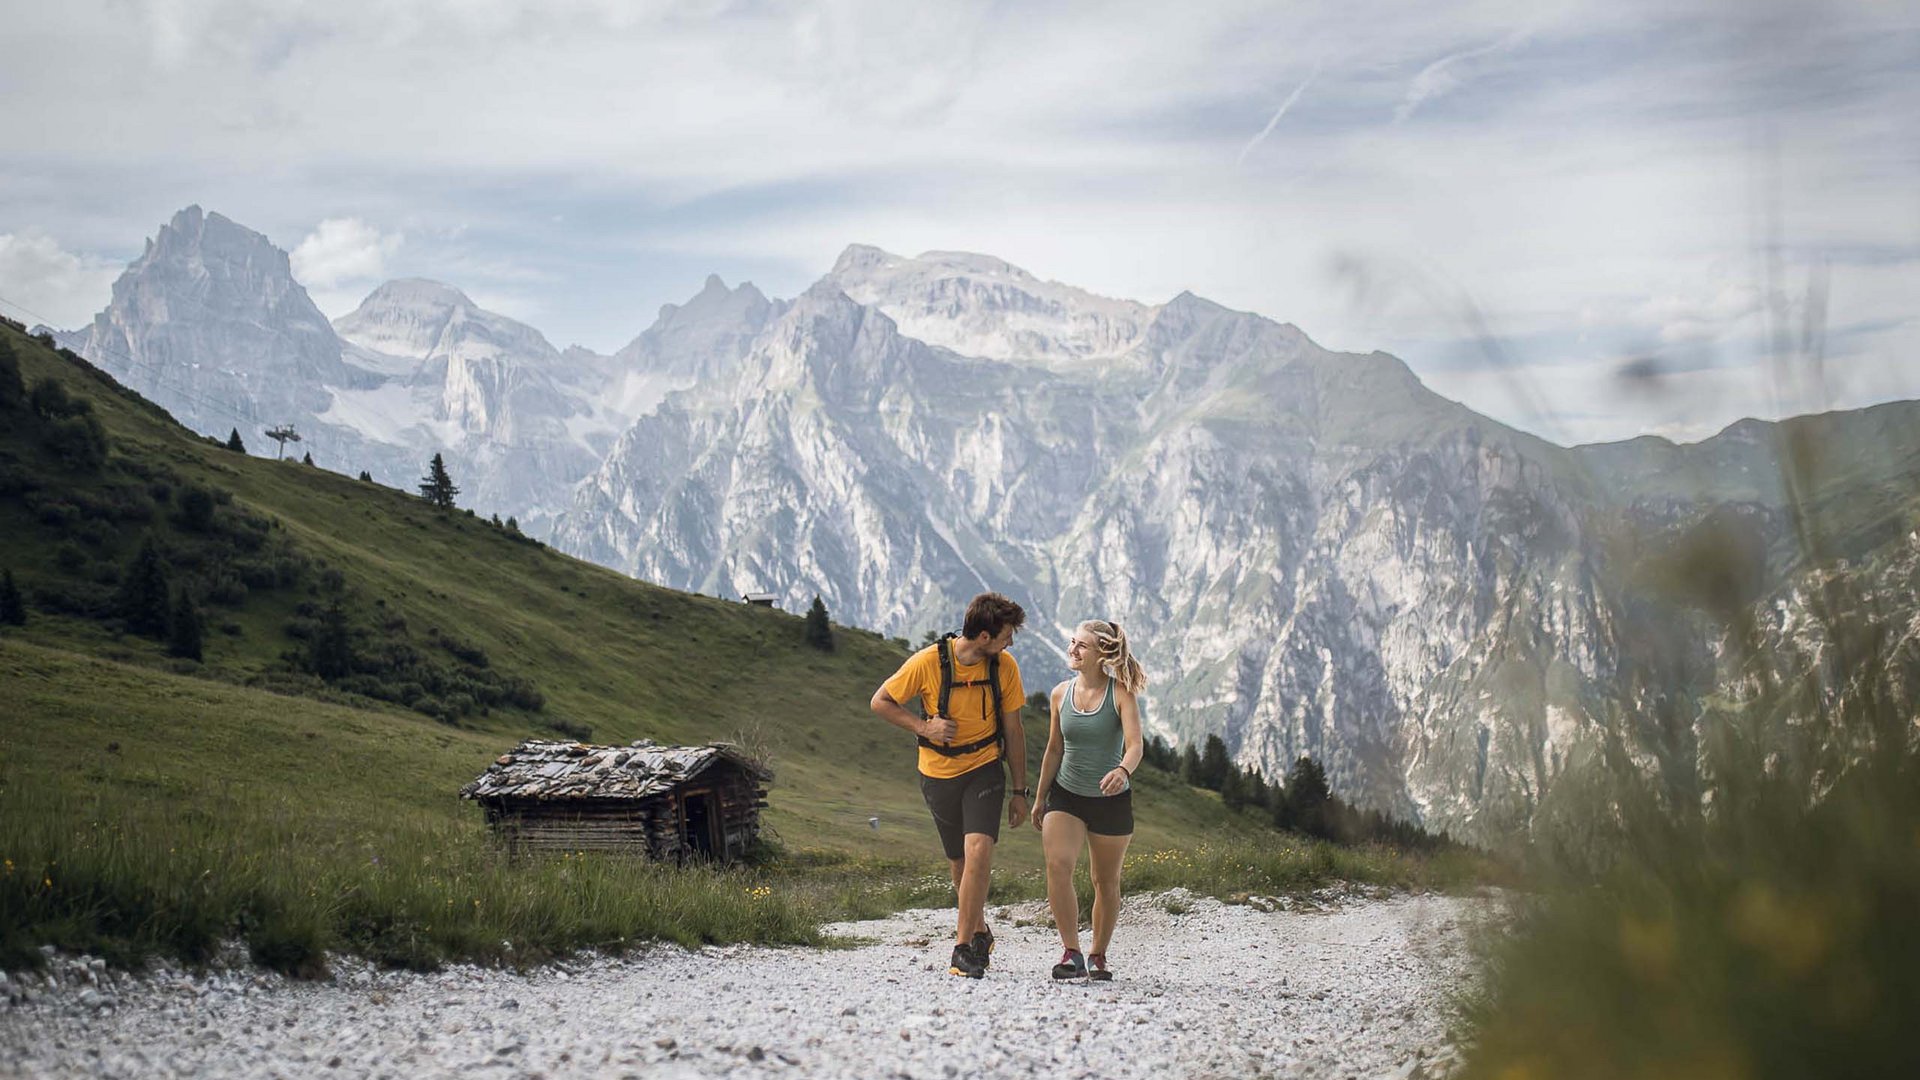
point(960, 751)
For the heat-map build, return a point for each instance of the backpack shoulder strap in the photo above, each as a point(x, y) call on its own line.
point(946, 671)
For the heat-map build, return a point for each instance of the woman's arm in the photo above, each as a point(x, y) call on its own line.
point(1049, 761)
point(1117, 779)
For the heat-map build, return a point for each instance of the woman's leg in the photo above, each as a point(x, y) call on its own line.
point(1105, 856)
point(1061, 835)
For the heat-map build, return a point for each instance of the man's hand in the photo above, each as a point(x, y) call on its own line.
point(939, 729)
point(1016, 810)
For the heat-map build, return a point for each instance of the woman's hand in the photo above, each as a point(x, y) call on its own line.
point(1039, 810)
point(1114, 782)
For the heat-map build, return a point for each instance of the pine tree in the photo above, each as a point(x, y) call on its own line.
point(1233, 789)
point(365, 477)
point(330, 653)
point(1307, 796)
point(306, 458)
point(13, 609)
point(513, 525)
point(184, 632)
point(234, 444)
point(144, 601)
point(819, 632)
point(1190, 766)
point(437, 487)
point(1257, 789)
point(13, 389)
point(1214, 765)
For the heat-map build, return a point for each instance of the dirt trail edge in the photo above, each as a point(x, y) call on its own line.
point(1347, 987)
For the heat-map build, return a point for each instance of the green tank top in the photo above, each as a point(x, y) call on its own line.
point(1094, 742)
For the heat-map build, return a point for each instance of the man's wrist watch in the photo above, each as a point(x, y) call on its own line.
point(1025, 793)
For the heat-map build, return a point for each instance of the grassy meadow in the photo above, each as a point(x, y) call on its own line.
point(155, 803)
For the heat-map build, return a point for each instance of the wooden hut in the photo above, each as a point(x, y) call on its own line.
point(667, 802)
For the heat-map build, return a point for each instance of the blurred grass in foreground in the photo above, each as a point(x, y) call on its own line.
point(1755, 913)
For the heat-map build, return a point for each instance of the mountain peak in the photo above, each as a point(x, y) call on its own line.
point(418, 292)
point(419, 319)
point(860, 258)
point(981, 305)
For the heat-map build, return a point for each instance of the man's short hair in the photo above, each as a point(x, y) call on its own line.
point(990, 613)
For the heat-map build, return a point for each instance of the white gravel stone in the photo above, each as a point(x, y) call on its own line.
point(1336, 988)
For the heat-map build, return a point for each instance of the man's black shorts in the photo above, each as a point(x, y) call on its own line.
point(968, 803)
point(1105, 815)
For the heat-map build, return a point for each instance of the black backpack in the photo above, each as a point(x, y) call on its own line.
point(947, 684)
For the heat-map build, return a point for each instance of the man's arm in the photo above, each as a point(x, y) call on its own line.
point(1016, 746)
point(935, 728)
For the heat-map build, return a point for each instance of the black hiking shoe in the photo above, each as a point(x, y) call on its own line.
point(1097, 968)
point(1071, 965)
point(966, 963)
point(983, 948)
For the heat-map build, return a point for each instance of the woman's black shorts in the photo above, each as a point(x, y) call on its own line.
point(968, 803)
point(1105, 815)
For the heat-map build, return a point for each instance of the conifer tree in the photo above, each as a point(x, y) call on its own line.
point(233, 442)
point(184, 631)
point(331, 652)
point(1214, 765)
point(1233, 790)
point(13, 609)
point(306, 458)
point(13, 389)
point(513, 525)
point(437, 487)
point(365, 477)
point(1190, 766)
point(1307, 796)
point(819, 632)
point(144, 601)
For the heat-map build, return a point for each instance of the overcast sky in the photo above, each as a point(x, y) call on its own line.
point(1583, 219)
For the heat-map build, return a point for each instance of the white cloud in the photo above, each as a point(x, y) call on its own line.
point(1450, 72)
point(343, 251)
point(1600, 177)
point(41, 282)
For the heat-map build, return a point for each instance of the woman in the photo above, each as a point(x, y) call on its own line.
point(1086, 790)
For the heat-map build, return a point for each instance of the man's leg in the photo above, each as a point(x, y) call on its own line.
point(973, 874)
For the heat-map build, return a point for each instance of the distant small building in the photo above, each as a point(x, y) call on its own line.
point(762, 599)
point(671, 803)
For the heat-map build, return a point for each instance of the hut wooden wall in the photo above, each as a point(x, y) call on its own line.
point(653, 827)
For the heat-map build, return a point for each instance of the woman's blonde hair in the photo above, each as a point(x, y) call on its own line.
point(1116, 659)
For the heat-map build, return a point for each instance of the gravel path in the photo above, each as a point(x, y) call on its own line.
point(1338, 986)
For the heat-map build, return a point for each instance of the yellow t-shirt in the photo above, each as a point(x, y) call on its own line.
point(973, 721)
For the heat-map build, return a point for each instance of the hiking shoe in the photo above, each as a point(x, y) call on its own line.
point(1097, 968)
point(1071, 965)
point(983, 948)
point(966, 963)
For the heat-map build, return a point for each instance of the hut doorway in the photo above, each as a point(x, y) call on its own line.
point(702, 837)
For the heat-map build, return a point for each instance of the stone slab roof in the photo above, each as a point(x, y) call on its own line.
point(569, 770)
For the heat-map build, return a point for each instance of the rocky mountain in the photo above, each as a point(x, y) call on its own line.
point(1314, 553)
point(210, 323)
point(1317, 554)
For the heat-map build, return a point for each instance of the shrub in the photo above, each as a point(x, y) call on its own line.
point(70, 557)
point(77, 441)
point(50, 399)
point(196, 509)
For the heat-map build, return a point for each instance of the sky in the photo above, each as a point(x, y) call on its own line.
point(1589, 220)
